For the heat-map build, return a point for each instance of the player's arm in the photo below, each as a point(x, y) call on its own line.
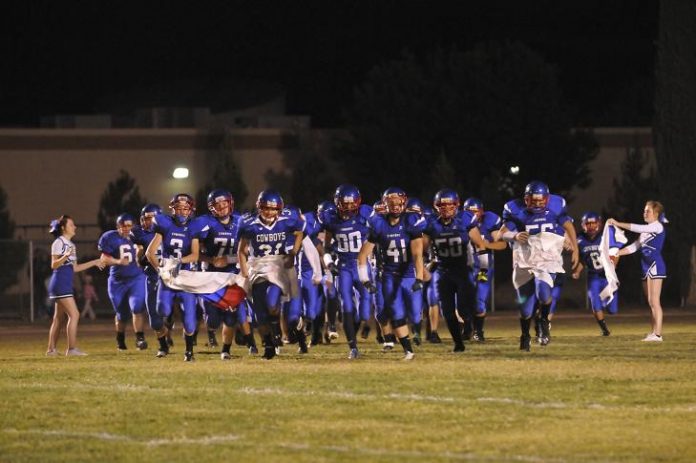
point(476, 238)
point(242, 257)
point(573, 238)
point(110, 260)
point(151, 252)
point(367, 248)
point(417, 253)
point(506, 234)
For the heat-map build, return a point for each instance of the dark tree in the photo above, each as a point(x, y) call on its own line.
point(675, 138)
point(121, 196)
point(14, 253)
point(223, 172)
point(308, 176)
point(484, 111)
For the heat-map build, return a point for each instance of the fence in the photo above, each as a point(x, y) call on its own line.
point(25, 269)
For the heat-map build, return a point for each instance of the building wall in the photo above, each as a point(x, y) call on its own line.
point(48, 172)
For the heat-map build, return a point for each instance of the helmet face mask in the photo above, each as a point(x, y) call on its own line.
point(269, 205)
point(147, 215)
point(394, 200)
point(536, 196)
point(347, 199)
point(591, 224)
point(475, 206)
point(220, 203)
point(182, 207)
point(446, 204)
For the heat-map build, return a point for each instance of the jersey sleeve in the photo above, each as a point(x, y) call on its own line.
point(105, 244)
point(415, 225)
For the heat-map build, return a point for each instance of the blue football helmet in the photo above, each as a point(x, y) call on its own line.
point(394, 199)
point(216, 203)
point(474, 205)
point(591, 223)
point(182, 206)
point(269, 204)
point(414, 205)
point(446, 203)
point(536, 196)
point(347, 199)
point(124, 224)
point(379, 207)
point(147, 213)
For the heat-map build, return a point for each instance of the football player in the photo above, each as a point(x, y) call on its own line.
point(217, 236)
point(448, 232)
point(400, 238)
point(173, 234)
point(265, 259)
point(482, 270)
point(347, 227)
point(126, 283)
point(589, 247)
point(537, 225)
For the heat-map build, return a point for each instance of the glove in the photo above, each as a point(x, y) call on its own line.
point(417, 285)
point(333, 269)
point(482, 275)
point(370, 287)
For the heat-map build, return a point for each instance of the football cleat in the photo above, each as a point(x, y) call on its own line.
point(188, 356)
point(478, 336)
point(253, 350)
point(525, 342)
point(417, 339)
point(269, 352)
point(387, 347)
point(212, 340)
point(162, 353)
point(354, 354)
point(333, 333)
point(121, 347)
point(409, 355)
point(141, 344)
point(225, 356)
point(605, 332)
point(459, 348)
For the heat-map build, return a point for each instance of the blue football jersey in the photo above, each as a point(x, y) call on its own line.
point(449, 240)
point(218, 239)
point(118, 247)
point(143, 237)
point(517, 217)
point(589, 254)
point(269, 240)
point(176, 239)
point(349, 235)
point(394, 242)
point(489, 223)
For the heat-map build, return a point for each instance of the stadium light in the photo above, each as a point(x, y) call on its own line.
point(180, 172)
point(514, 170)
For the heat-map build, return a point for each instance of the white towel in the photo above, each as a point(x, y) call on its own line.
point(538, 258)
point(605, 252)
point(198, 282)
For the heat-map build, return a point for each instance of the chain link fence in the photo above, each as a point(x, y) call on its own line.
point(25, 270)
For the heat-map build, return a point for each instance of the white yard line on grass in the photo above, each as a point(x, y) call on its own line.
point(105, 436)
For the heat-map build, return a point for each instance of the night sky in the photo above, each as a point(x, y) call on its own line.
point(61, 57)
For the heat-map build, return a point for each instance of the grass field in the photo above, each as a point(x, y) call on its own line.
point(582, 398)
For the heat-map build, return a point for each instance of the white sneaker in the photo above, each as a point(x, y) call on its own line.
point(409, 355)
point(652, 337)
point(52, 353)
point(225, 356)
point(75, 352)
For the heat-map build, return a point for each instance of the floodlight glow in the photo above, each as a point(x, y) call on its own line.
point(180, 172)
point(514, 170)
